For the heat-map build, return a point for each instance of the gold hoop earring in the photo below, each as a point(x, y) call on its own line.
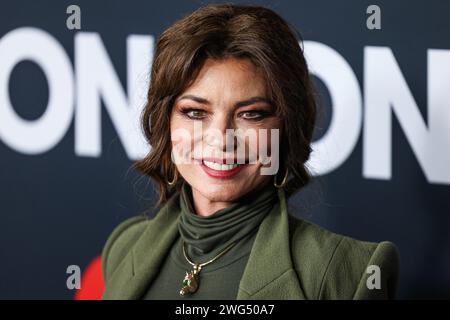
point(282, 182)
point(174, 180)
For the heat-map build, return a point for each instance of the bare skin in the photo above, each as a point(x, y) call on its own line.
point(212, 99)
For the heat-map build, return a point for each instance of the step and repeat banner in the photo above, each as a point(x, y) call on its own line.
point(73, 80)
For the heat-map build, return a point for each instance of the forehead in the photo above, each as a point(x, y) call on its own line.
point(229, 77)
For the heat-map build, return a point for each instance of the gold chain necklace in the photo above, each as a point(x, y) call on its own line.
point(191, 280)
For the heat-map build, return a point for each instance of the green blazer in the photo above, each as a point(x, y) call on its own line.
point(290, 259)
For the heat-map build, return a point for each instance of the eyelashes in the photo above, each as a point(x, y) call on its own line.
point(200, 114)
point(193, 113)
point(255, 115)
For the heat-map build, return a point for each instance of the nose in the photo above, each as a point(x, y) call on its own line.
point(216, 133)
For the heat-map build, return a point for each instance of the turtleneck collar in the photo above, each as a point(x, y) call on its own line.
point(209, 235)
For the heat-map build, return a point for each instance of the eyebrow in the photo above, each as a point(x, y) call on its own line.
point(239, 104)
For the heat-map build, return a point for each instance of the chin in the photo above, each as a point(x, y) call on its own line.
point(220, 193)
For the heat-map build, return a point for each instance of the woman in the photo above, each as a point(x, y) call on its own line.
point(223, 231)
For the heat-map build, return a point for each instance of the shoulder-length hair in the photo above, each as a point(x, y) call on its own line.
point(230, 31)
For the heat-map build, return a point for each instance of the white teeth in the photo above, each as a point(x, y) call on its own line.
point(218, 166)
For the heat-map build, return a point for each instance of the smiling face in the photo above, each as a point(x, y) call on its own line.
point(227, 94)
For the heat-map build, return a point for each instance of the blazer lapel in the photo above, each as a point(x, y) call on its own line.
point(269, 272)
point(138, 269)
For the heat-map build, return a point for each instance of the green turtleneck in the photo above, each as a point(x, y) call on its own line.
point(205, 237)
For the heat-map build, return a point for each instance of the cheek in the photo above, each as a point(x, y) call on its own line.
point(181, 141)
point(272, 138)
point(189, 171)
point(263, 141)
point(265, 131)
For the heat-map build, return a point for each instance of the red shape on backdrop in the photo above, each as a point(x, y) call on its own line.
point(91, 281)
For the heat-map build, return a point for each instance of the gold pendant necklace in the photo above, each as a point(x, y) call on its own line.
point(191, 280)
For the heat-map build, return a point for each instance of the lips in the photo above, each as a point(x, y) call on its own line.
point(218, 166)
point(221, 169)
point(224, 161)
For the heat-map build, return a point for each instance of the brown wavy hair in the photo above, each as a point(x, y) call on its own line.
point(230, 31)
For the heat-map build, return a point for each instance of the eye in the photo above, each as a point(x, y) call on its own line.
point(193, 113)
point(253, 114)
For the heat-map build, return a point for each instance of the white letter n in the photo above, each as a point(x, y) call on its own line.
point(386, 90)
point(96, 80)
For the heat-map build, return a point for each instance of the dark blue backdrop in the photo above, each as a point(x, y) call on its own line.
point(59, 205)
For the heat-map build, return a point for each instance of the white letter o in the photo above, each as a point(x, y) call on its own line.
point(37, 136)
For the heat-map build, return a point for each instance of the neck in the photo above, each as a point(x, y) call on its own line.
point(205, 207)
